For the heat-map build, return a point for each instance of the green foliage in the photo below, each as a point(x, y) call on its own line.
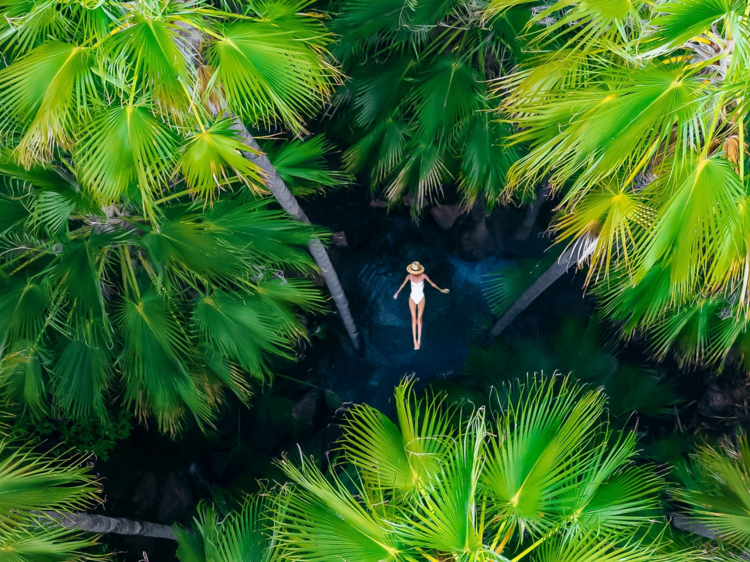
point(133, 261)
point(541, 473)
point(635, 114)
point(416, 114)
point(32, 485)
point(88, 436)
point(715, 491)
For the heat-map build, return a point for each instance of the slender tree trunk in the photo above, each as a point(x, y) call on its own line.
point(281, 192)
point(574, 254)
point(100, 524)
point(524, 229)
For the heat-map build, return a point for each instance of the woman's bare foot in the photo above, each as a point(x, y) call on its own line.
point(416, 345)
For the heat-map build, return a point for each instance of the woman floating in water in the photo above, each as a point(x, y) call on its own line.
point(416, 299)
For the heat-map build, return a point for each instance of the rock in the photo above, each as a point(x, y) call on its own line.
point(715, 401)
point(406, 199)
point(478, 243)
point(445, 216)
point(304, 410)
point(176, 498)
point(339, 238)
point(145, 492)
point(379, 204)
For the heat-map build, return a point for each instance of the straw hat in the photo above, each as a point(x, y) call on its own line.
point(415, 268)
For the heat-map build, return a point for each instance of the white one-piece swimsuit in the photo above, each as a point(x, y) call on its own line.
point(417, 291)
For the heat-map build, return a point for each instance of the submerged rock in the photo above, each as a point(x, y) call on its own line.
point(145, 493)
point(715, 402)
point(378, 203)
point(304, 410)
point(176, 498)
point(446, 215)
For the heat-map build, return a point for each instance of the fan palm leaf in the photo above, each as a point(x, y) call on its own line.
point(247, 57)
point(322, 519)
point(691, 223)
point(154, 360)
point(251, 533)
point(302, 165)
point(542, 434)
point(213, 158)
point(151, 44)
point(446, 516)
point(82, 376)
point(45, 96)
point(124, 146)
point(718, 495)
point(33, 482)
point(240, 326)
point(614, 128)
point(406, 456)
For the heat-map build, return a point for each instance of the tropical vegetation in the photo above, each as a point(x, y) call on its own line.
point(414, 115)
point(633, 113)
point(139, 254)
point(158, 274)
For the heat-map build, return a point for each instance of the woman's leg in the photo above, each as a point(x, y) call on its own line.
point(413, 309)
point(420, 311)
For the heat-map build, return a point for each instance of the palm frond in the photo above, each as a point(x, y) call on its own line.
point(322, 519)
point(45, 95)
point(154, 363)
point(124, 146)
point(544, 431)
point(212, 159)
point(717, 495)
point(268, 74)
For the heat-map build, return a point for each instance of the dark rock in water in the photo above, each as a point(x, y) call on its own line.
point(304, 410)
point(478, 243)
point(715, 401)
point(176, 498)
point(446, 215)
point(378, 203)
point(145, 493)
point(339, 238)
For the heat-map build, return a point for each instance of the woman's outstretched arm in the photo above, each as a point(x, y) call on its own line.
point(401, 287)
point(446, 291)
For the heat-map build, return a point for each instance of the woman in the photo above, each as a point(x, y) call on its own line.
point(416, 299)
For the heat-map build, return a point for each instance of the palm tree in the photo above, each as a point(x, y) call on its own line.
point(544, 475)
point(129, 257)
point(43, 502)
point(415, 114)
point(635, 112)
point(497, 286)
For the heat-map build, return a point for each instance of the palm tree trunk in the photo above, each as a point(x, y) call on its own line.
point(281, 192)
point(574, 254)
point(524, 229)
point(100, 524)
